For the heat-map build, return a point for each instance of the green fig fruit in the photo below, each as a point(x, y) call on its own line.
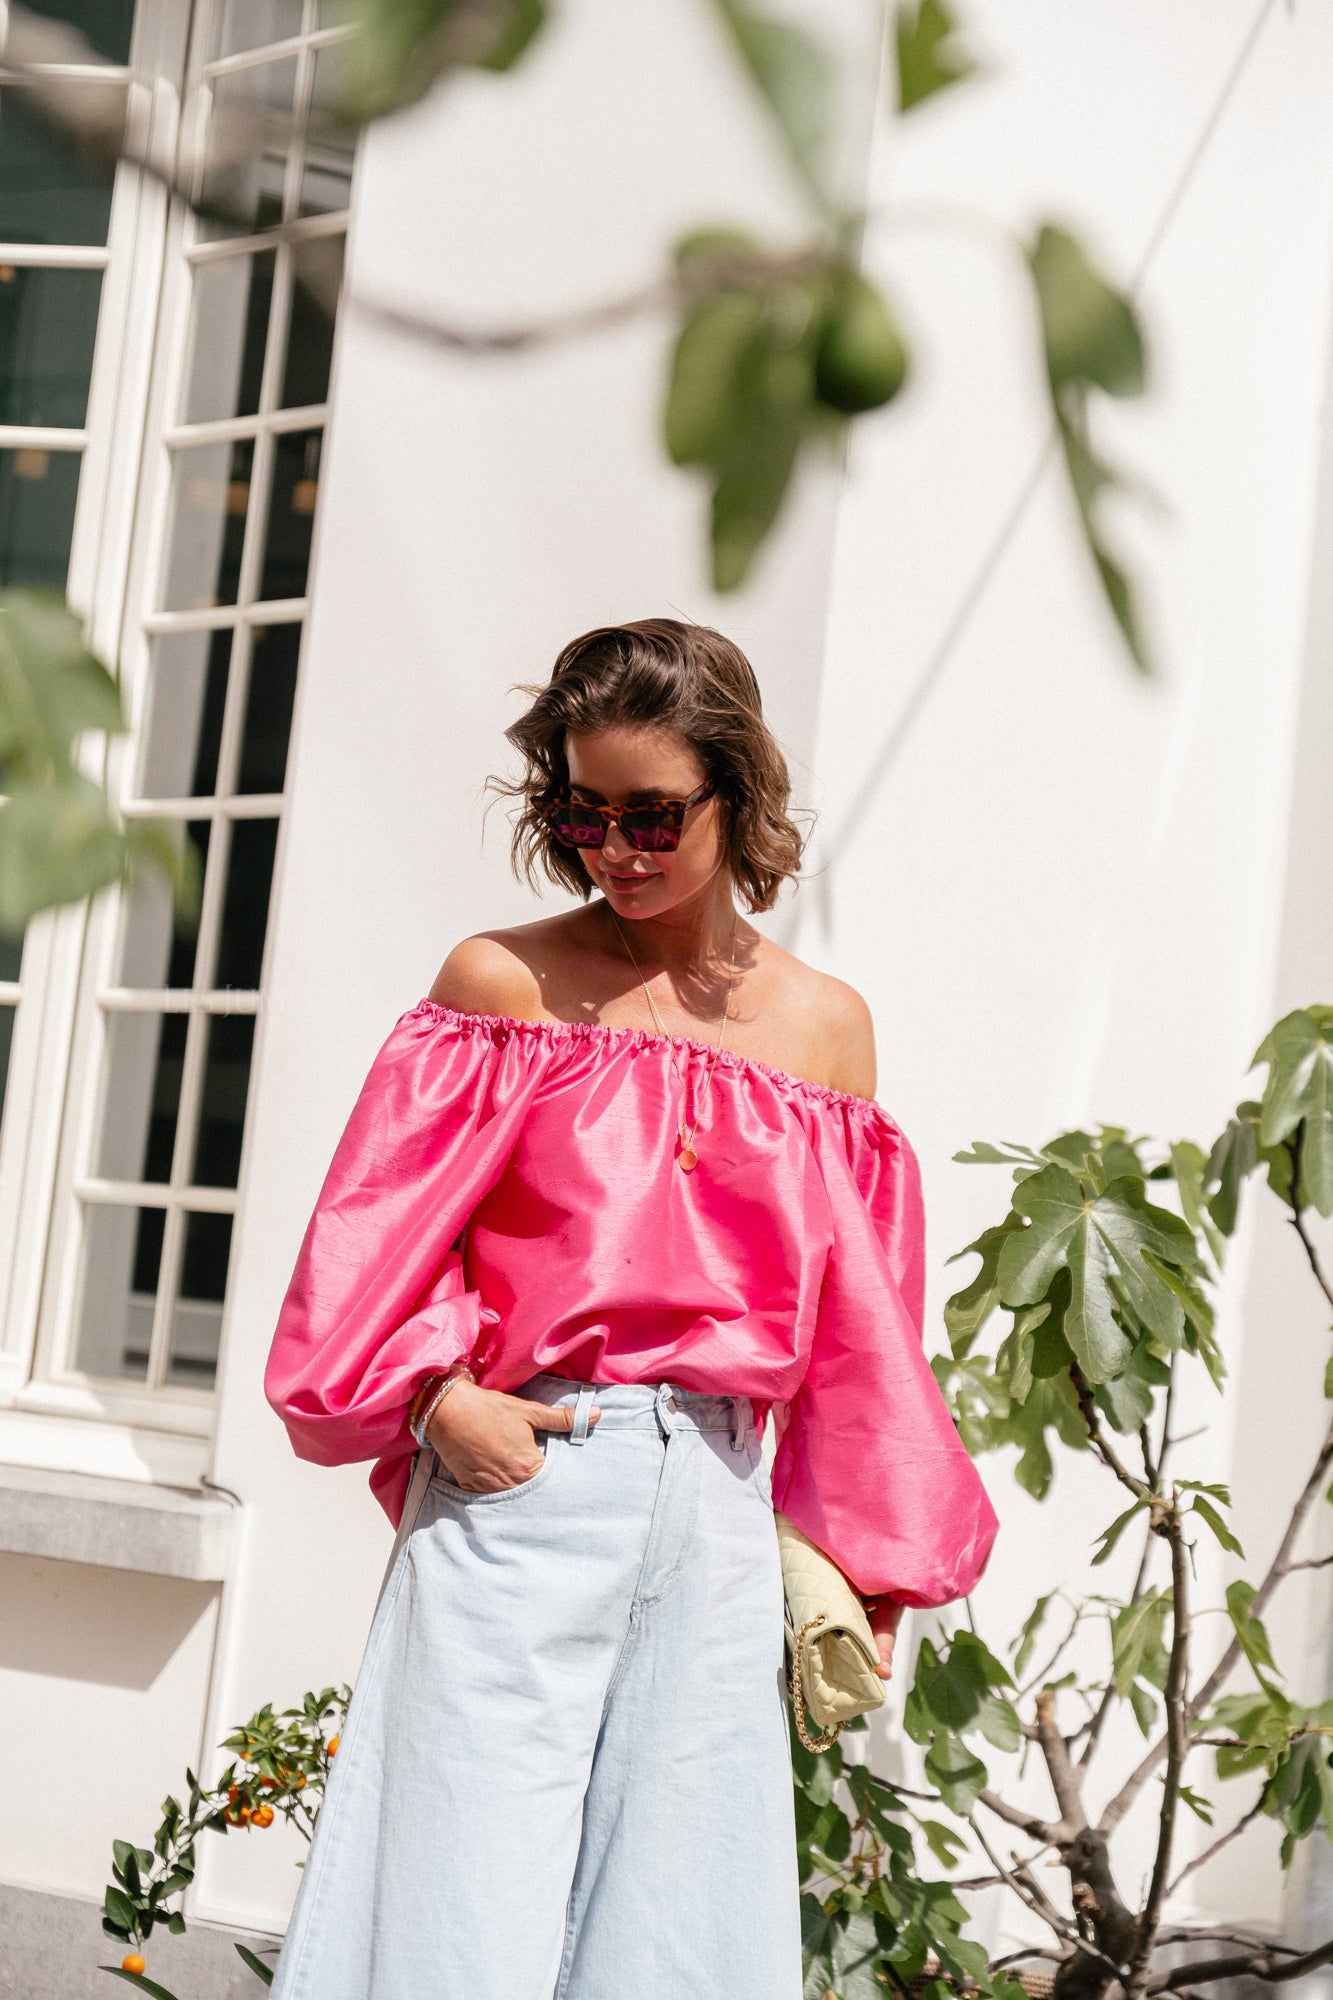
point(860, 362)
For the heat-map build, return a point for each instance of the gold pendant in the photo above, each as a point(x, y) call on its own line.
point(687, 1159)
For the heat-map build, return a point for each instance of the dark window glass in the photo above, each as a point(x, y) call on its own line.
point(217, 1153)
point(291, 514)
point(196, 1321)
point(48, 324)
point(107, 24)
point(145, 1059)
point(187, 695)
point(268, 708)
point(185, 937)
point(209, 498)
point(6, 1044)
point(11, 956)
point(50, 192)
point(245, 904)
point(157, 948)
point(38, 490)
point(228, 331)
point(122, 1254)
point(148, 1253)
point(316, 281)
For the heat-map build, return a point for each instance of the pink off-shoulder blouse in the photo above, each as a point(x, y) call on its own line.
point(507, 1193)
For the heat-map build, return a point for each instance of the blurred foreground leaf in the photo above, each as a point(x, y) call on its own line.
point(59, 840)
point(772, 354)
point(1092, 340)
point(402, 46)
point(1299, 1097)
point(795, 75)
point(930, 54)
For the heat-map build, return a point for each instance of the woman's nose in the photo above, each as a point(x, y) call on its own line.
point(615, 847)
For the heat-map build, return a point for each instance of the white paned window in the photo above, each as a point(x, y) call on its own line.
point(55, 217)
point(69, 231)
point(218, 566)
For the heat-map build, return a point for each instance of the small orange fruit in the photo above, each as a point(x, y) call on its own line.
point(131, 1962)
point(300, 1781)
point(233, 1793)
point(263, 1816)
point(334, 1741)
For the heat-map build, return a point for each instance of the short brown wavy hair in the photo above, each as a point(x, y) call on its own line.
point(660, 673)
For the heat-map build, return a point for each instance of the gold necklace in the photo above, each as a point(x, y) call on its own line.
point(687, 1159)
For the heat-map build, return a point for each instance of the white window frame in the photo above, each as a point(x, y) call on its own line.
point(111, 444)
point(56, 1415)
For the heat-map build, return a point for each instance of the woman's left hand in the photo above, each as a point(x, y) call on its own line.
point(884, 1621)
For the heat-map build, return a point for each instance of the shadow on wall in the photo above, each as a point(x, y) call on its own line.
point(113, 1628)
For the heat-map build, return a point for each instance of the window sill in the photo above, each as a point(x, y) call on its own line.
point(114, 1524)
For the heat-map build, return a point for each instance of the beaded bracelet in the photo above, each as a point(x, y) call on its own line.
point(421, 1424)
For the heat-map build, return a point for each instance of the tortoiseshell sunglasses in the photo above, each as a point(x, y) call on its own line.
point(653, 826)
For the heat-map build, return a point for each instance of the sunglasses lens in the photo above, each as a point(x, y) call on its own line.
point(577, 826)
point(652, 832)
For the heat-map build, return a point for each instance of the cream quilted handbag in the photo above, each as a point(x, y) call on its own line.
point(832, 1648)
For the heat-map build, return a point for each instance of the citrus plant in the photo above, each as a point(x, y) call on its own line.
point(279, 1771)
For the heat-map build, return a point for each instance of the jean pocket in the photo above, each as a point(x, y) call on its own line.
point(444, 1484)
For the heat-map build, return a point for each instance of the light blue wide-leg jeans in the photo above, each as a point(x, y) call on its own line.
point(565, 1772)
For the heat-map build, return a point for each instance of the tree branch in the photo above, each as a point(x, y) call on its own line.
point(1175, 1697)
point(1104, 1706)
point(1256, 1965)
point(1043, 1830)
point(676, 288)
point(1297, 1150)
point(1280, 1567)
point(1223, 1840)
point(1060, 1768)
point(1027, 1891)
point(1207, 1934)
point(1035, 1680)
point(1098, 1440)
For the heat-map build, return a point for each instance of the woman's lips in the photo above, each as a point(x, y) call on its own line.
point(625, 885)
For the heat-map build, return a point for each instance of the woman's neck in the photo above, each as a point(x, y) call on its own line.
point(692, 942)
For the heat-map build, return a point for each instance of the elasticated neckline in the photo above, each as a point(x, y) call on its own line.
point(554, 1033)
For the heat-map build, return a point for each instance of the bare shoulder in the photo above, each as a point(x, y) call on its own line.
point(835, 1025)
point(491, 973)
point(847, 1033)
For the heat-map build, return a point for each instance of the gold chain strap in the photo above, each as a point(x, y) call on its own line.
point(798, 1692)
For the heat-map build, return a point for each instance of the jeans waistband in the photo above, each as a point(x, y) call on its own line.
point(642, 1406)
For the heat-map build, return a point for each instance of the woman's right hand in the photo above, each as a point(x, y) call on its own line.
point(488, 1440)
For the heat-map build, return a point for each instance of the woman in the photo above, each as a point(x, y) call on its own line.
point(615, 1191)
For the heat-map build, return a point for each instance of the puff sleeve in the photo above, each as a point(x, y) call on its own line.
point(869, 1464)
point(378, 1300)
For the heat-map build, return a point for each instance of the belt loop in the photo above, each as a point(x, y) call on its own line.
point(662, 1409)
point(740, 1411)
point(578, 1431)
